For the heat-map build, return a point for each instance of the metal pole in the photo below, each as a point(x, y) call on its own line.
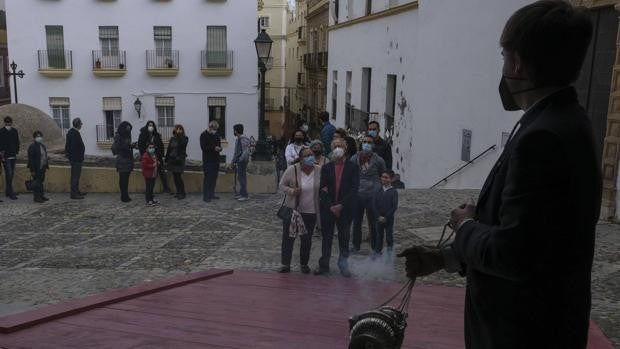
point(15, 85)
point(261, 122)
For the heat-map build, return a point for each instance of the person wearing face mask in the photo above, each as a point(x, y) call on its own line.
point(300, 182)
point(370, 167)
point(149, 134)
point(298, 140)
point(74, 151)
point(351, 143)
point(38, 163)
point(9, 148)
point(527, 246)
point(175, 159)
point(149, 164)
point(381, 147)
point(211, 146)
point(317, 148)
point(122, 149)
point(338, 192)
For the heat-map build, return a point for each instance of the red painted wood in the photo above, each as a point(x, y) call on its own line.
point(15, 322)
point(256, 310)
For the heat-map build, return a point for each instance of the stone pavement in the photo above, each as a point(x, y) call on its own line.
point(65, 248)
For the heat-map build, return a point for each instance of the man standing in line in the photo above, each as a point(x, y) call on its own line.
point(211, 146)
point(240, 161)
point(327, 132)
point(74, 151)
point(528, 245)
point(381, 147)
point(9, 147)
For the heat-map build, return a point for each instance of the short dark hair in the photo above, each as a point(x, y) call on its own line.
point(552, 39)
point(76, 122)
point(37, 133)
point(341, 131)
point(8, 119)
point(238, 128)
point(389, 172)
point(374, 122)
point(324, 116)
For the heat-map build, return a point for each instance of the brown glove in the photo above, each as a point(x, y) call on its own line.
point(422, 260)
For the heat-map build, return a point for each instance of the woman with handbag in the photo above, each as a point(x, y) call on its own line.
point(300, 208)
point(123, 149)
point(175, 158)
point(38, 165)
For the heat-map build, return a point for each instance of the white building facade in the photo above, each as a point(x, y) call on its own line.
point(186, 62)
point(432, 70)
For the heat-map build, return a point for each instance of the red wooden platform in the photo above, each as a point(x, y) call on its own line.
point(216, 309)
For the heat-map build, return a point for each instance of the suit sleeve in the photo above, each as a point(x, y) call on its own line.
point(349, 199)
point(532, 201)
point(394, 206)
point(31, 158)
point(68, 145)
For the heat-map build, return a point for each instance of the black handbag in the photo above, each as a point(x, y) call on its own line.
point(285, 212)
point(31, 184)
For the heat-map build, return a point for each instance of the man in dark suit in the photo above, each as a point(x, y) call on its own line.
point(9, 148)
point(338, 192)
point(211, 146)
point(74, 151)
point(527, 247)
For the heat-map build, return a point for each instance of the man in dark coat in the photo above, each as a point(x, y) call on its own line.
point(340, 181)
point(381, 146)
point(9, 148)
point(149, 134)
point(211, 146)
point(74, 151)
point(527, 247)
point(38, 164)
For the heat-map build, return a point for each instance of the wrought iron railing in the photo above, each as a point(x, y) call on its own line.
point(55, 59)
point(216, 60)
point(445, 179)
point(322, 60)
point(162, 59)
point(357, 120)
point(109, 60)
point(105, 133)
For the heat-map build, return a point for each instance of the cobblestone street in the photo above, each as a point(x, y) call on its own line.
point(63, 249)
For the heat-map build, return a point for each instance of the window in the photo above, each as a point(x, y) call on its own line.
point(108, 36)
point(334, 93)
point(163, 41)
point(300, 78)
point(55, 47)
point(216, 46)
point(217, 112)
point(368, 7)
point(264, 22)
point(112, 107)
point(165, 112)
point(2, 71)
point(60, 111)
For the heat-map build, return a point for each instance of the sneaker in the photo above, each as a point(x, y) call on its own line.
point(155, 202)
point(237, 196)
point(243, 198)
point(284, 269)
point(150, 204)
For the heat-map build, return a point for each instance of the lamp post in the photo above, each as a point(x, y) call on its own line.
point(14, 74)
point(138, 106)
point(263, 50)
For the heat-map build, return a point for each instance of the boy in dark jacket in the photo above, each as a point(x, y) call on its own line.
point(149, 171)
point(74, 151)
point(386, 203)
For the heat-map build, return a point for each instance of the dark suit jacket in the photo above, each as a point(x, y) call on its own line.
point(208, 142)
point(528, 256)
point(74, 146)
point(34, 157)
point(349, 185)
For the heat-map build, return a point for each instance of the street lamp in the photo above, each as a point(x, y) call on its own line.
point(20, 73)
point(263, 50)
point(138, 105)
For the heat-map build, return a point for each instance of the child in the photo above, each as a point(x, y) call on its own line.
point(386, 203)
point(149, 171)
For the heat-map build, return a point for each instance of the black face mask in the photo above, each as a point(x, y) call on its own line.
point(507, 96)
point(318, 152)
point(299, 140)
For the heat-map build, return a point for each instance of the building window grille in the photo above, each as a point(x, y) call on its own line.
point(165, 112)
point(108, 37)
point(217, 112)
point(60, 112)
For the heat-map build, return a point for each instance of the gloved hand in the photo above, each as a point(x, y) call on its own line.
point(422, 260)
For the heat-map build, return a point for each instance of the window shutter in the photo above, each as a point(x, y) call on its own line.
point(164, 101)
point(216, 101)
point(59, 101)
point(162, 33)
point(108, 32)
point(112, 103)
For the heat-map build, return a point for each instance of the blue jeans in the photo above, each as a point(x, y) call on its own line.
point(9, 173)
point(364, 203)
point(242, 178)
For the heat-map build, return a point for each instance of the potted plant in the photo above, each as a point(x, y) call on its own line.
point(98, 64)
point(169, 63)
point(121, 66)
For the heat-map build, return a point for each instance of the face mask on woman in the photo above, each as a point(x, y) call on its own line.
point(318, 152)
point(309, 160)
point(367, 147)
point(38, 139)
point(151, 128)
point(304, 128)
point(151, 151)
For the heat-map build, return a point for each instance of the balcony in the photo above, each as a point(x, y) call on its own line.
point(216, 63)
point(322, 60)
point(105, 136)
point(310, 61)
point(109, 63)
point(162, 62)
point(301, 35)
point(357, 120)
point(55, 63)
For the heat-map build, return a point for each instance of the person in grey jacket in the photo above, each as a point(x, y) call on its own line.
point(123, 149)
point(370, 167)
point(240, 161)
point(38, 163)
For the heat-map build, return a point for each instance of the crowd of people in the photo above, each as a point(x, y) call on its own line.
point(331, 183)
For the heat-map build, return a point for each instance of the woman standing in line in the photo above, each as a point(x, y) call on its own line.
point(175, 159)
point(122, 148)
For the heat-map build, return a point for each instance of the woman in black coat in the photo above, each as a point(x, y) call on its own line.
point(38, 163)
point(149, 134)
point(122, 148)
point(175, 158)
